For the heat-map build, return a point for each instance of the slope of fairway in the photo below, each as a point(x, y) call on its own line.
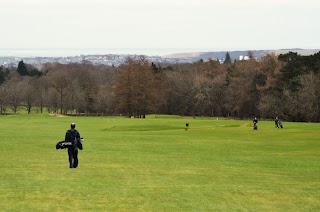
point(156, 164)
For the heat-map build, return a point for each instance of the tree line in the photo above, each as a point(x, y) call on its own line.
point(286, 86)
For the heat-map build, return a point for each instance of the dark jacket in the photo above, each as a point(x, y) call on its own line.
point(73, 136)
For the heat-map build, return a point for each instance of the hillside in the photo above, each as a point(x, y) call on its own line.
point(194, 56)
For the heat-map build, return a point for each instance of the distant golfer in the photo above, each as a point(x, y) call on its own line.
point(73, 136)
point(255, 123)
point(276, 122)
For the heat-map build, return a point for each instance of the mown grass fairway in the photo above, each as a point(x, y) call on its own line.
point(154, 164)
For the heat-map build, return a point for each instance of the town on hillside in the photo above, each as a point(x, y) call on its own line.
point(118, 59)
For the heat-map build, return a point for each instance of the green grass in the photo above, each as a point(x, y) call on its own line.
point(154, 164)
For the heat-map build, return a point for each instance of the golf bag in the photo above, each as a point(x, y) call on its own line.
point(280, 124)
point(66, 144)
point(63, 144)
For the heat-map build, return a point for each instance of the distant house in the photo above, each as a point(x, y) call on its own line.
point(241, 57)
point(221, 60)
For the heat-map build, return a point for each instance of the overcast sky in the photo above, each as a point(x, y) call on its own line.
point(198, 24)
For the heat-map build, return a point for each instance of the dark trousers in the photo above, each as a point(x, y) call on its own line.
point(73, 157)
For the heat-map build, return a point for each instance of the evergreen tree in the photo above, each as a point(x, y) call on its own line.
point(3, 74)
point(22, 68)
point(250, 55)
point(28, 70)
point(295, 66)
point(34, 73)
point(228, 59)
point(228, 75)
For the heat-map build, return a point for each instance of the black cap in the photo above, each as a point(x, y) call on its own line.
point(73, 125)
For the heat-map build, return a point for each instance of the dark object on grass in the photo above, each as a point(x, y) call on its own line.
point(63, 144)
point(280, 124)
point(74, 136)
point(255, 124)
point(276, 122)
point(66, 144)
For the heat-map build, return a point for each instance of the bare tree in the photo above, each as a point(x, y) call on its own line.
point(60, 81)
point(181, 97)
point(309, 96)
point(243, 95)
point(105, 100)
point(15, 90)
point(4, 98)
point(29, 96)
point(41, 86)
point(53, 100)
point(89, 90)
point(136, 88)
point(210, 83)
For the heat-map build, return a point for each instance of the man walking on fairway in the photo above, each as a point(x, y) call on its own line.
point(73, 136)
